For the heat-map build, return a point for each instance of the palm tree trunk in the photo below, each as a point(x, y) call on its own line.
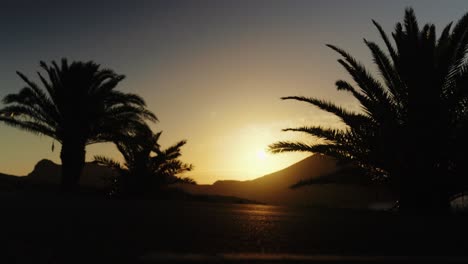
point(73, 160)
point(422, 184)
point(423, 192)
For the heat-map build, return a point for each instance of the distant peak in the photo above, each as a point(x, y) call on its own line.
point(225, 182)
point(45, 162)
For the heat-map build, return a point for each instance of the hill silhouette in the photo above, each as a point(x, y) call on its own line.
point(48, 173)
point(95, 179)
point(9, 182)
point(275, 188)
point(46, 176)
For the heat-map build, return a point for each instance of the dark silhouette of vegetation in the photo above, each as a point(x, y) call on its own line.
point(78, 105)
point(147, 167)
point(346, 174)
point(412, 131)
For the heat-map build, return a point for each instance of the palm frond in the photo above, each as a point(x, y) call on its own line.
point(30, 126)
point(346, 175)
point(331, 135)
point(459, 44)
point(368, 85)
point(390, 76)
point(388, 44)
point(349, 118)
point(108, 162)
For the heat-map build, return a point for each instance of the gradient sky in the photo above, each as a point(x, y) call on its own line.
point(212, 71)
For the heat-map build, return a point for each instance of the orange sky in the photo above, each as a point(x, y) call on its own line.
point(213, 72)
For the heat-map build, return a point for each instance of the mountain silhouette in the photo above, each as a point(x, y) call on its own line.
point(275, 188)
point(9, 182)
point(46, 177)
point(48, 173)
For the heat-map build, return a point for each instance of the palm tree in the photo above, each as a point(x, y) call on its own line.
point(413, 118)
point(146, 166)
point(78, 105)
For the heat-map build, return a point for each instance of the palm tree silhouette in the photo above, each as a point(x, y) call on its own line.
point(146, 166)
point(413, 118)
point(77, 106)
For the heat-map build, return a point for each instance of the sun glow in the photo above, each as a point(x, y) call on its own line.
point(242, 154)
point(261, 154)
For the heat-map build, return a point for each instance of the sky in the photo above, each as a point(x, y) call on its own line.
point(212, 71)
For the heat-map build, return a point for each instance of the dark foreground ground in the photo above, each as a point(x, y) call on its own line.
point(48, 230)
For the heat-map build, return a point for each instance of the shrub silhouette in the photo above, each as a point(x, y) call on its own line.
point(147, 167)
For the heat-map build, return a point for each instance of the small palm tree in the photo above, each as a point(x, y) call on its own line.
point(146, 167)
point(414, 118)
point(78, 105)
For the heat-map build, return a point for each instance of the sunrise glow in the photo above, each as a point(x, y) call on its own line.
point(261, 155)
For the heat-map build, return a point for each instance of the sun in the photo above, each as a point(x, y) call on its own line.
point(261, 154)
